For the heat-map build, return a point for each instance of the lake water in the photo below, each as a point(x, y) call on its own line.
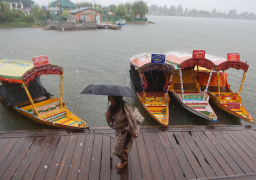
point(102, 56)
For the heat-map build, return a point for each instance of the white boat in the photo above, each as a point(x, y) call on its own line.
point(121, 22)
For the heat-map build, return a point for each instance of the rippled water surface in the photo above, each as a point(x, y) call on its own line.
point(102, 56)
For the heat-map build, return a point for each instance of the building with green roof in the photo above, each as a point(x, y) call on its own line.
point(65, 4)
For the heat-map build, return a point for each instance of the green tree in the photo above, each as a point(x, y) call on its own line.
point(112, 7)
point(172, 11)
point(14, 16)
point(1, 5)
point(64, 14)
point(5, 6)
point(48, 15)
point(192, 12)
point(84, 4)
point(154, 8)
point(161, 10)
point(165, 11)
point(179, 10)
point(186, 11)
point(139, 7)
point(38, 12)
point(251, 16)
point(128, 7)
point(120, 10)
point(104, 12)
point(99, 8)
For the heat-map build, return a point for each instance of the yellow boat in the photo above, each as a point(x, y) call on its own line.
point(185, 87)
point(219, 89)
point(21, 89)
point(149, 80)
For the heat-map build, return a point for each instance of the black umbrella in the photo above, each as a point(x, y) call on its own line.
point(108, 89)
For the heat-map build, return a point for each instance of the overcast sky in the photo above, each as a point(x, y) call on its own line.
point(209, 5)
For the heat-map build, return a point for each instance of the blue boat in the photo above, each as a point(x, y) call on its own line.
point(120, 22)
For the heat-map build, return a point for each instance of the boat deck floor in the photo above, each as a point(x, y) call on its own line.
point(176, 152)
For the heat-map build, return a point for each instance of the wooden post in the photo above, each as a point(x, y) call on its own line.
point(29, 97)
point(245, 72)
point(181, 84)
point(218, 82)
point(206, 89)
point(61, 89)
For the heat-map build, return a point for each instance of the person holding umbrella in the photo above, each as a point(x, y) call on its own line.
point(120, 116)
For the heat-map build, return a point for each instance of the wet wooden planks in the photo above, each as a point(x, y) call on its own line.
point(189, 153)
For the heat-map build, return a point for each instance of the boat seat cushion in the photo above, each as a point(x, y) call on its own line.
point(193, 96)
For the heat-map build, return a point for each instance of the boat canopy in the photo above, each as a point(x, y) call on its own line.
point(232, 64)
point(13, 71)
point(185, 61)
point(13, 93)
point(143, 62)
point(140, 59)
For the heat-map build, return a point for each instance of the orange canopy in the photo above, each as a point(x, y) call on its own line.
point(202, 78)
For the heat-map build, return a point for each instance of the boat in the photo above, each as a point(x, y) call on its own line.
point(21, 89)
point(121, 22)
point(219, 89)
point(185, 88)
point(151, 82)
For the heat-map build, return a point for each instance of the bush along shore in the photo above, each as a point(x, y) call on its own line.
point(20, 24)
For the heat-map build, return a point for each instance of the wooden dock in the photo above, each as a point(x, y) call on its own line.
point(177, 152)
point(109, 26)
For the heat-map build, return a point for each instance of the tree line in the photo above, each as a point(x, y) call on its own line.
point(121, 10)
point(179, 11)
point(17, 18)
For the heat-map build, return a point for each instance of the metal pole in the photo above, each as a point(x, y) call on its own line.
point(29, 97)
